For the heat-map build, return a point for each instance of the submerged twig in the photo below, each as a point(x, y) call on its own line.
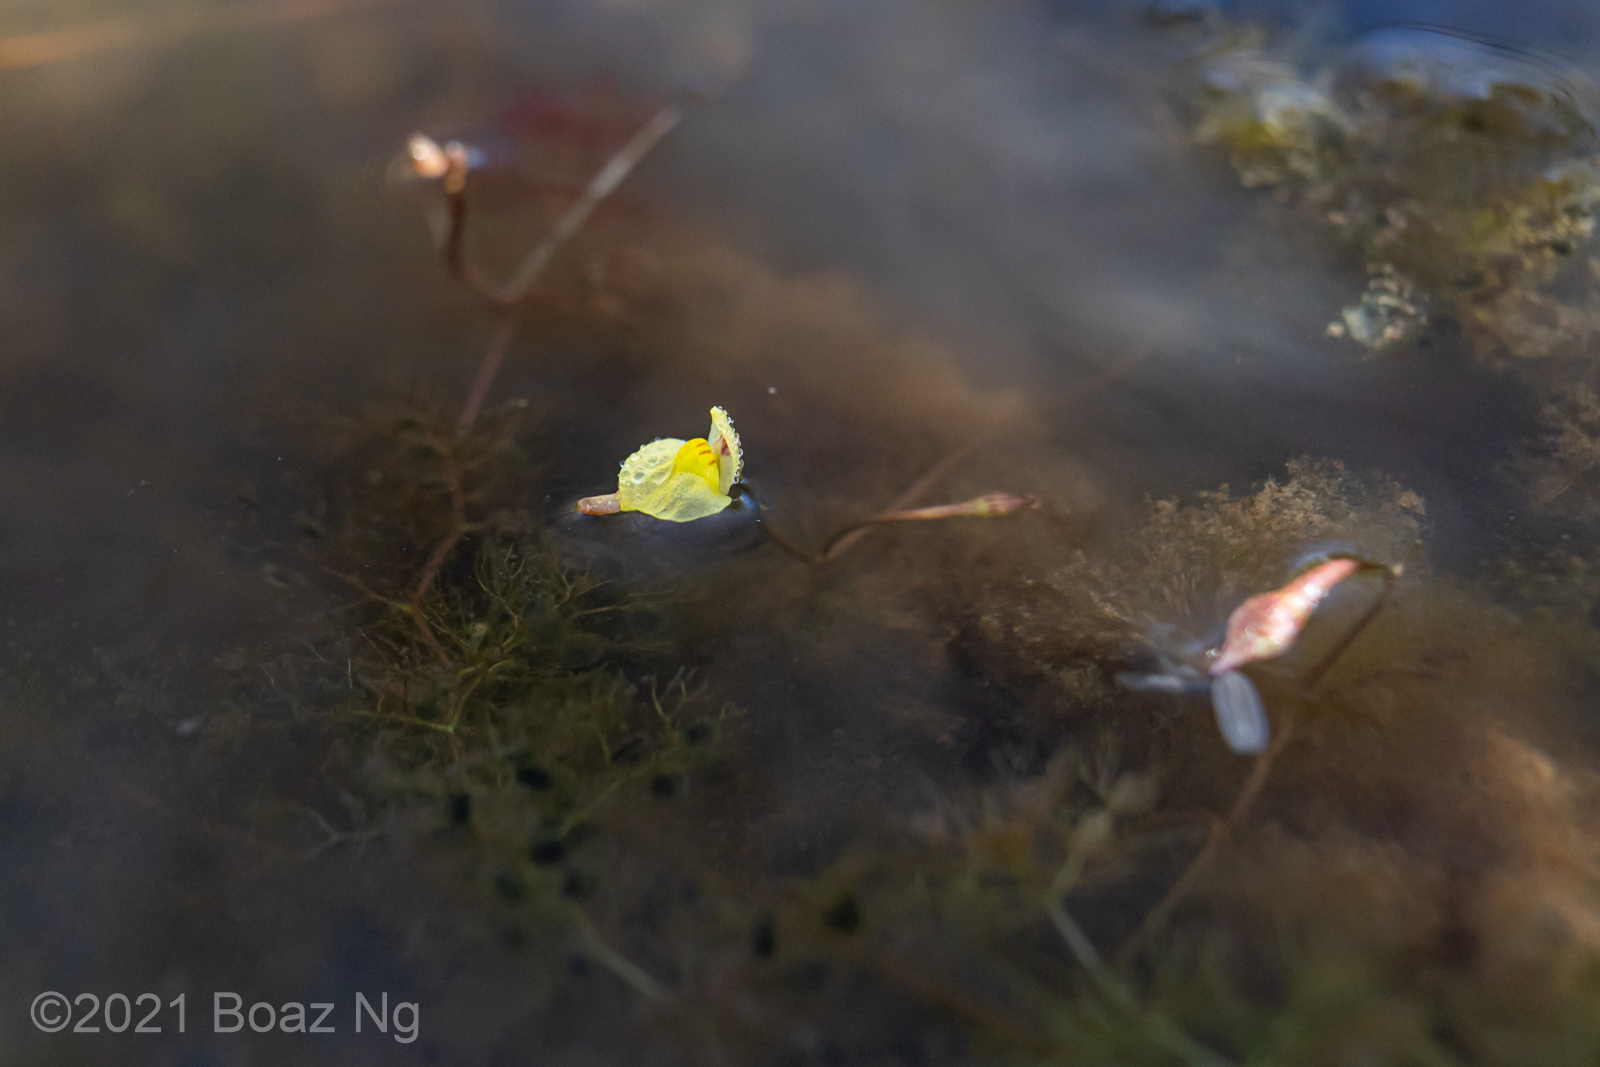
point(499, 345)
point(1156, 1027)
point(618, 964)
point(1221, 830)
point(458, 528)
point(129, 33)
point(335, 838)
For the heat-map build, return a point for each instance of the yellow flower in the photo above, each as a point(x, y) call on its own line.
point(677, 480)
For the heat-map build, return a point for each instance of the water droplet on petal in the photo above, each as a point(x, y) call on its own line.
point(1241, 716)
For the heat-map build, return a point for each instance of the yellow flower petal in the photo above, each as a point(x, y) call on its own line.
point(697, 460)
point(651, 481)
point(649, 467)
point(724, 441)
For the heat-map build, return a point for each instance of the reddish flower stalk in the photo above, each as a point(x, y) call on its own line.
point(448, 164)
point(604, 504)
point(988, 505)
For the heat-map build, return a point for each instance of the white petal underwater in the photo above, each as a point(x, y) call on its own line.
point(1241, 716)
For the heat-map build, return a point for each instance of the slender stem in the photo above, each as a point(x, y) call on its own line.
point(458, 527)
point(335, 838)
point(510, 296)
point(994, 504)
point(814, 558)
point(412, 609)
point(602, 185)
point(499, 344)
point(618, 964)
point(1156, 1027)
point(1221, 830)
point(427, 634)
point(1089, 957)
point(925, 983)
point(1258, 774)
point(1314, 675)
point(839, 544)
point(589, 809)
point(455, 258)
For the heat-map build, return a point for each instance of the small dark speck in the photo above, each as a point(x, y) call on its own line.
point(1457, 948)
point(577, 886)
point(845, 916)
point(631, 750)
point(764, 939)
point(534, 777)
point(546, 852)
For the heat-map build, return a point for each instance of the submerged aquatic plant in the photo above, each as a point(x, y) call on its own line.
point(504, 697)
point(1561, 469)
point(1461, 171)
point(1275, 125)
point(516, 729)
point(1387, 312)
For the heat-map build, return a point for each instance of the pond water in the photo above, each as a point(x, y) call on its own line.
point(315, 685)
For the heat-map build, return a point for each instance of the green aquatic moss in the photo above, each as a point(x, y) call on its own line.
point(1561, 467)
point(507, 707)
point(1470, 213)
point(1190, 564)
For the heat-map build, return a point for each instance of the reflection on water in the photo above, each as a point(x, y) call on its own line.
point(315, 684)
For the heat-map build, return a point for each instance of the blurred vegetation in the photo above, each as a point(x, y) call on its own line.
point(1462, 175)
point(504, 697)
